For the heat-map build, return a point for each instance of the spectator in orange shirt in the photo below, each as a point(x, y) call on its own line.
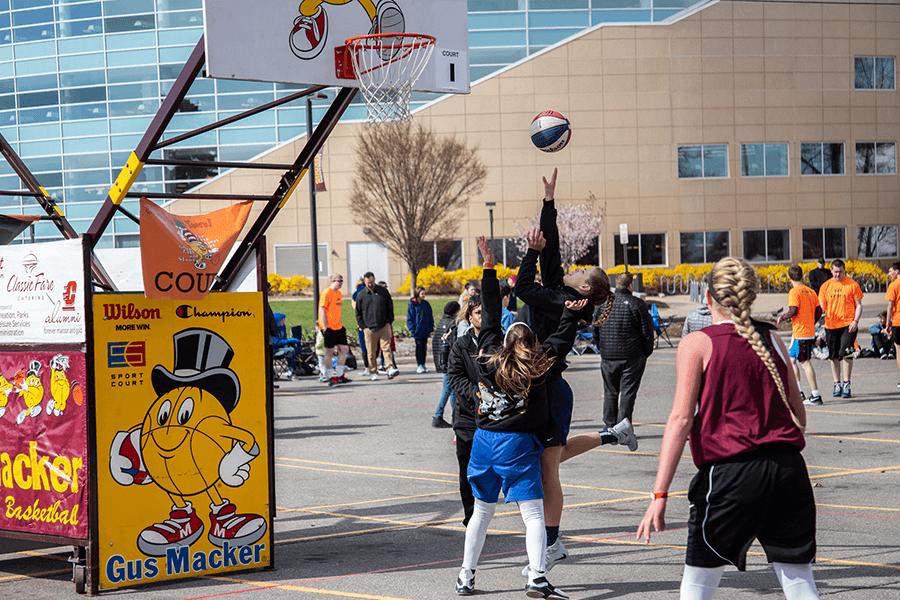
point(333, 330)
point(841, 299)
point(893, 309)
point(803, 312)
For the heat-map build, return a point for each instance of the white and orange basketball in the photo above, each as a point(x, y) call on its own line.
point(550, 131)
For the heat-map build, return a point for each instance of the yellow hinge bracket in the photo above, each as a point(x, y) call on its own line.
point(125, 179)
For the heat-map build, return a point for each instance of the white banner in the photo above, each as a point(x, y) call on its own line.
point(42, 293)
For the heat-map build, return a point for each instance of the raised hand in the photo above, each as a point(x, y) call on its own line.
point(550, 187)
point(535, 239)
point(486, 253)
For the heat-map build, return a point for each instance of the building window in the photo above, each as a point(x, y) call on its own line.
point(699, 247)
point(818, 158)
point(767, 245)
point(447, 254)
point(876, 158)
point(874, 72)
point(764, 160)
point(824, 242)
point(703, 161)
point(644, 249)
point(879, 241)
point(507, 251)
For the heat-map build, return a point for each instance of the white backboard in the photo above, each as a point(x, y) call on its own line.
point(269, 40)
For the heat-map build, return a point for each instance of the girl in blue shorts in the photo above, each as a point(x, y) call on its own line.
point(512, 412)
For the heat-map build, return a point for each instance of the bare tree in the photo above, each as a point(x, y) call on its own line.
point(411, 188)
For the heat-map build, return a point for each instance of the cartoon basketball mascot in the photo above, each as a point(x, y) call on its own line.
point(311, 27)
point(31, 389)
point(188, 446)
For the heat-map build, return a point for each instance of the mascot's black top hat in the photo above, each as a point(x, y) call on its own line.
point(201, 360)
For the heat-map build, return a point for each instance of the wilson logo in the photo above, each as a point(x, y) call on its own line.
point(128, 312)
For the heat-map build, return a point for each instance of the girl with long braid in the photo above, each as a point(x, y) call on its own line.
point(738, 401)
point(541, 311)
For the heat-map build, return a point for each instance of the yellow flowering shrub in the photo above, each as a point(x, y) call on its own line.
point(436, 280)
point(294, 285)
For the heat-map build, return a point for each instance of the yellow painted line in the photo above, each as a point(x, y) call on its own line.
point(315, 462)
point(838, 436)
point(848, 412)
point(856, 563)
point(855, 472)
point(858, 507)
point(39, 574)
point(379, 500)
point(456, 480)
point(297, 588)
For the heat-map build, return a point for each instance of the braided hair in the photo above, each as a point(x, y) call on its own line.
point(732, 285)
point(600, 292)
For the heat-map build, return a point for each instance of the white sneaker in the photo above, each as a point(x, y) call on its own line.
point(420, 369)
point(392, 372)
point(373, 377)
point(624, 433)
point(556, 552)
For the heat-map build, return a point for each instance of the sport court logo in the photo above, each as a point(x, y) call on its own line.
point(126, 354)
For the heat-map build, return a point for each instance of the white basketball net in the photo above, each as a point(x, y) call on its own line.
point(387, 66)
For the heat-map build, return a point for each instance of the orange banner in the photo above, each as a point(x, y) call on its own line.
point(181, 255)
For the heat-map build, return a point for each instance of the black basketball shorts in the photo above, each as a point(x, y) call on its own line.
point(765, 496)
point(840, 343)
point(335, 337)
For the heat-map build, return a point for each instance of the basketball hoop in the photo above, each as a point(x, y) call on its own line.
point(387, 66)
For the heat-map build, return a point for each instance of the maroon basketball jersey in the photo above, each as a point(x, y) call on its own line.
point(740, 408)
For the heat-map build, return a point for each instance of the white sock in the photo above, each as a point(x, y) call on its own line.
point(535, 535)
point(340, 370)
point(796, 581)
point(699, 583)
point(814, 393)
point(476, 532)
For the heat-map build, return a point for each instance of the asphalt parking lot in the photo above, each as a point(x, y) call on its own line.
point(368, 502)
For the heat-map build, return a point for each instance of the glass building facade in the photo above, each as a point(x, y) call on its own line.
point(80, 82)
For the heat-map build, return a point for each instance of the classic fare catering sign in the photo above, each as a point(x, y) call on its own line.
point(43, 443)
point(41, 293)
point(181, 437)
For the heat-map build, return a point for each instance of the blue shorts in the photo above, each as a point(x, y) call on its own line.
point(801, 349)
point(507, 460)
point(560, 398)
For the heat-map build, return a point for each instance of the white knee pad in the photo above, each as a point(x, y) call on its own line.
point(699, 583)
point(796, 581)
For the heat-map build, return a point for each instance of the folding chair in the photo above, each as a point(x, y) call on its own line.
point(584, 342)
point(661, 327)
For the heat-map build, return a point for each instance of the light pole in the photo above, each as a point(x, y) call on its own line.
point(491, 206)
point(314, 234)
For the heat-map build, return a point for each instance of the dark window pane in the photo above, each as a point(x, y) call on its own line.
point(81, 95)
point(834, 243)
point(38, 99)
point(82, 78)
point(590, 257)
point(692, 248)
point(118, 7)
point(7, 102)
point(812, 244)
point(755, 245)
point(33, 17)
point(776, 160)
point(690, 163)
point(716, 245)
point(449, 254)
point(884, 73)
point(752, 160)
point(778, 244)
point(885, 158)
point(833, 158)
point(180, 173)
point(34, 33)
point(810, 159)
point(864, 67)
point(653, 247)
point(130, 23)
point(865, 158)
point(633, 250)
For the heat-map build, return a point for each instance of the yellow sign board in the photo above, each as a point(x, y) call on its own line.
point(182, 437)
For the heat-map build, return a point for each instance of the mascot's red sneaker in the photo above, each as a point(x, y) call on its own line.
point(238, 530)
point(182, 528)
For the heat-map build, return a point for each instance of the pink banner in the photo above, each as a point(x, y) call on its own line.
point(43, 443)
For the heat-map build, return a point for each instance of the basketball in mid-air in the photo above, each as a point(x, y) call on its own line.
point(550, 131)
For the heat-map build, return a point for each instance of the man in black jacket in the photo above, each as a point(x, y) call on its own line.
point(463, 375)
point(374, 315)
point(625, 342)
point(819, 275)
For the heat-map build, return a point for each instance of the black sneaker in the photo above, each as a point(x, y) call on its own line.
point(465, 588)
point(541, 588)
point(343, 379)
point(333, 382)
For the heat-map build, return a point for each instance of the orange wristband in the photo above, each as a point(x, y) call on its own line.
point(658, 495)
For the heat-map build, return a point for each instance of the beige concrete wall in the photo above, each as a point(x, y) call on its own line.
point(735, 72)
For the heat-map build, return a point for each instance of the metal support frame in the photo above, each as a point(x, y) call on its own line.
point(151, 141)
